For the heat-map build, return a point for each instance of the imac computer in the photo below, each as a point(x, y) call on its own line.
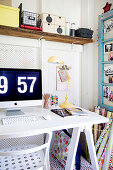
point(20, 88)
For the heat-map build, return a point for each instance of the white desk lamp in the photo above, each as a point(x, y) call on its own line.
point(66, 103)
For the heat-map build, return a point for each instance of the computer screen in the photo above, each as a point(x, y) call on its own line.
point(20, 87)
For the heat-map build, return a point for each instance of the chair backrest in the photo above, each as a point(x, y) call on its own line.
point(26, 152)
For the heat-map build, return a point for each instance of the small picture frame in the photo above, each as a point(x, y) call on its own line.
point(63, 75)
point(108, 48)
point(110, 57)
point(105, 91)
point(110, 96)
point(108, 26)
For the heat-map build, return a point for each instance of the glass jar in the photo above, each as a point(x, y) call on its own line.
point(72, 25)
point(47, 101)
point(67, 30)
point(72, 30)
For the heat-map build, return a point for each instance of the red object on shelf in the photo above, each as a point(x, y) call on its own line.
point(107, 7)
point(31, 28)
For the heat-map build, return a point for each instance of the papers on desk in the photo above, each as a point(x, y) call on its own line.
point(76, 111)
point(69, 112)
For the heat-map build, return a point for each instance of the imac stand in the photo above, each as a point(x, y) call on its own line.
point(14, 112)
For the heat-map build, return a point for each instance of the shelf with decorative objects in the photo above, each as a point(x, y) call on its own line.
point(33, 34)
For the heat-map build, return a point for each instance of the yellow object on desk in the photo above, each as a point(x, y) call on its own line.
point(66, 103)
point(9, 16)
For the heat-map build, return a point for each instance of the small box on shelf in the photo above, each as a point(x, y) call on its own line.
point(47, 18)
point(48, 27)
point(51, 23)
point(46, 21)
point(29, 18)
point(9, 16)
point(58, 29)
point(60, 21)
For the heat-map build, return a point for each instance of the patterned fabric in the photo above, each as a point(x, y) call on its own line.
point(102, 160)
point(102, 146)
point(59, 153)
point(55, 164)
point(111, 161)
point(60, 147)
point(102, 136)
point(85, 165)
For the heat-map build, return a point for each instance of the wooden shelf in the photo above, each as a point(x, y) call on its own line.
point(19, 32)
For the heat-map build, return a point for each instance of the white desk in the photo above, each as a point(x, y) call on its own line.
point(78, 123)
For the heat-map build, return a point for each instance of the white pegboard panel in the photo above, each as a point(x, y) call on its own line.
point(17, 56)
point(37, 140)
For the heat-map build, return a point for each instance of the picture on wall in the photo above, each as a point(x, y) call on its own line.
point(109, 73)
point(108, 48)
point(108, 93)
point(108, 26)
point(110, 56)
point(110, 96)
point(105, 91)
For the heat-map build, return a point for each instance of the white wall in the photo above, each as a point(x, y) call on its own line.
point(87, 65)
point(85, 14)
point(30, 5)
point(67, 8)
point(71, 54)
point(71, 9)
point(90, 10)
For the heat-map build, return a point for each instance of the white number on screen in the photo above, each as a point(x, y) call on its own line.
point(3, 85)
point(22, 83)
point(32, 83)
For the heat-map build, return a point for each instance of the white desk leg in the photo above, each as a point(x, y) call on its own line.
point(72, 149)
point(46, 159)
point(91, 148)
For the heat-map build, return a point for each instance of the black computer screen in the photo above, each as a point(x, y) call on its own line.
point(20, 84)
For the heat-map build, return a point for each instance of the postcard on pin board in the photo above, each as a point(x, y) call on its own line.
point(63, 75)
point(62, 80)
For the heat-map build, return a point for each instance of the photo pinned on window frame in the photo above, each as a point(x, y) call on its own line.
point(108, 48)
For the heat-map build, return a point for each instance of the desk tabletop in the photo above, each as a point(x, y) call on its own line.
point(56, 123)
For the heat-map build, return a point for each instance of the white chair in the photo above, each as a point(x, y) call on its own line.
point(24, 153)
